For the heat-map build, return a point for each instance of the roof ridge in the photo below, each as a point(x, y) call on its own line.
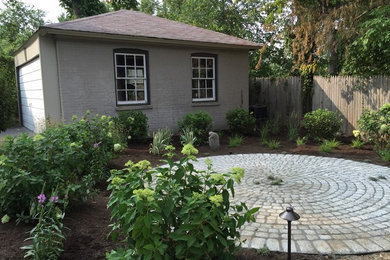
point(85, 18)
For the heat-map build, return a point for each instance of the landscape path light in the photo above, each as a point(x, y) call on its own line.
point(289, 215)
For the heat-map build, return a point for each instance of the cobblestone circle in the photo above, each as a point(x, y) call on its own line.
point(342, 211)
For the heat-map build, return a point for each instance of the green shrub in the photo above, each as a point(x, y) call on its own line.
point(199, 122)
point(273, 144)
point(328, 145)
point(235, 141)
point(357, 144)
point(322, 124)
point(184, 214)
point(71, 157)
point(385, 154)
point(135, 124)
point(301, 141)
point(241, 121)
point(374, 126)
point(161, 139)
point(187, 137)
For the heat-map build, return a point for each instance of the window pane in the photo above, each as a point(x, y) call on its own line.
point(195, 62)
point(210, 63)
point(139, 60)
point(121, 96)
point(131, 95)
point(209, 83)
point(195, 93)
point(131, 72)
point(202, 63)
point(202, 83)
point(130, 84)
point(120, 84)
point(210, 73)
point(209, 93)
point(202, 73)
point(140, 73)
point(194, 83)
point(130, 60)
point(195, 73)
point(140, 85)
point(120, 59)
point(140, 95)
point(202, 93)
point(120, 72)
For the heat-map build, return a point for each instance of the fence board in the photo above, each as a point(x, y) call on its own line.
point(344, 94)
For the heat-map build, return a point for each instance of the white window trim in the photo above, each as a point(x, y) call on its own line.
point(213, 79)
point(145, 78)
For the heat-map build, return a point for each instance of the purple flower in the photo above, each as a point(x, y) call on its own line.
point(54, 199)
point(41, 198)
point(95, 145)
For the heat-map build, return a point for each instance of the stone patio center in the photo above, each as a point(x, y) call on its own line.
point(342, 211)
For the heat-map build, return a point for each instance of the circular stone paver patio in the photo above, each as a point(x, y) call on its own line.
point(342, 211)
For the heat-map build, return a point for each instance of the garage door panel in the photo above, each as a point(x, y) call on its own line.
point(31, 96)
point(31, 77)
point(32, 102)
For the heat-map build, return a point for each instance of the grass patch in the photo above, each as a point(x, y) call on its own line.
point(328, 145)
point(273, 144)
point(357, 144)
point(235, 141)
point(264, 251)
point(301, 141)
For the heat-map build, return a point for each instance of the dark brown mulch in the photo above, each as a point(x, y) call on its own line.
point(88, 222)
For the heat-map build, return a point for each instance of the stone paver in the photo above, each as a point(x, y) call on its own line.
point(342, 211)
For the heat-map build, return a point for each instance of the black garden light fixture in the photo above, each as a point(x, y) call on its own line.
point(289, 215)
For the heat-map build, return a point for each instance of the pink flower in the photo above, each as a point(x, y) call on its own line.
point(54, 199)
point(41, 198)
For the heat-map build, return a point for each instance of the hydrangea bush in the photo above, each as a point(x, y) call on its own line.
point(175, 211)
point(72, 157)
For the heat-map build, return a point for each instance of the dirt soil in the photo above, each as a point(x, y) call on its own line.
point(87, 237)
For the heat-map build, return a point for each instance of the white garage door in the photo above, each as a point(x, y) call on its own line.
point(31, 96)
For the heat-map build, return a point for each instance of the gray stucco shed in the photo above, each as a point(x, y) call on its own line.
point(128, 60)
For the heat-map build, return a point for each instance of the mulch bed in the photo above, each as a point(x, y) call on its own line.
point(87, 237)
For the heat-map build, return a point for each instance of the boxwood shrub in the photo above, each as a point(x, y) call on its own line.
point(322, 124)
point(241, 121)
point(199, 122)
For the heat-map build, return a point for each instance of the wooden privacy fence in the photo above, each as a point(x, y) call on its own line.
point(343, 94)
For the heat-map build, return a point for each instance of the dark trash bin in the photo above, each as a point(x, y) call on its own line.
point(260, 113)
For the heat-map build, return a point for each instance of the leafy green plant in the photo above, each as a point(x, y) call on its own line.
point(135, 124)
point(273, 144)
point(72, 157)
point(328, 145)
point(264, 133)
point(357, 144)
point(185, 213)
point(200, 122)
point(161, 139)
point(292, 134)
point(374, 126)
point(47, 237)
point(385, 154)
point(241, 122)
point(264, 251)
point(275, 125)
point(322, 124)
point(301, 141)
point(187, 137)
point(235, 141)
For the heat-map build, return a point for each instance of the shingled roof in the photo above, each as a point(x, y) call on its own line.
point(141, 25)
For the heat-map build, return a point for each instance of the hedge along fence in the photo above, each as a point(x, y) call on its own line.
point(344, 94)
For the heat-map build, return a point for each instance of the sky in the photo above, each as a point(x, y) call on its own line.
point(51, 7)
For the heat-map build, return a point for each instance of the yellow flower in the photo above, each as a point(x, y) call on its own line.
point(216, 200)
point(103, 117)
point(144, 194)
point(129, 164)
point(218, 178)
point(190, 151)
point(5, 219)
point(117, 181)
point(356, 133)
point(237, 174)
point(143, 165)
